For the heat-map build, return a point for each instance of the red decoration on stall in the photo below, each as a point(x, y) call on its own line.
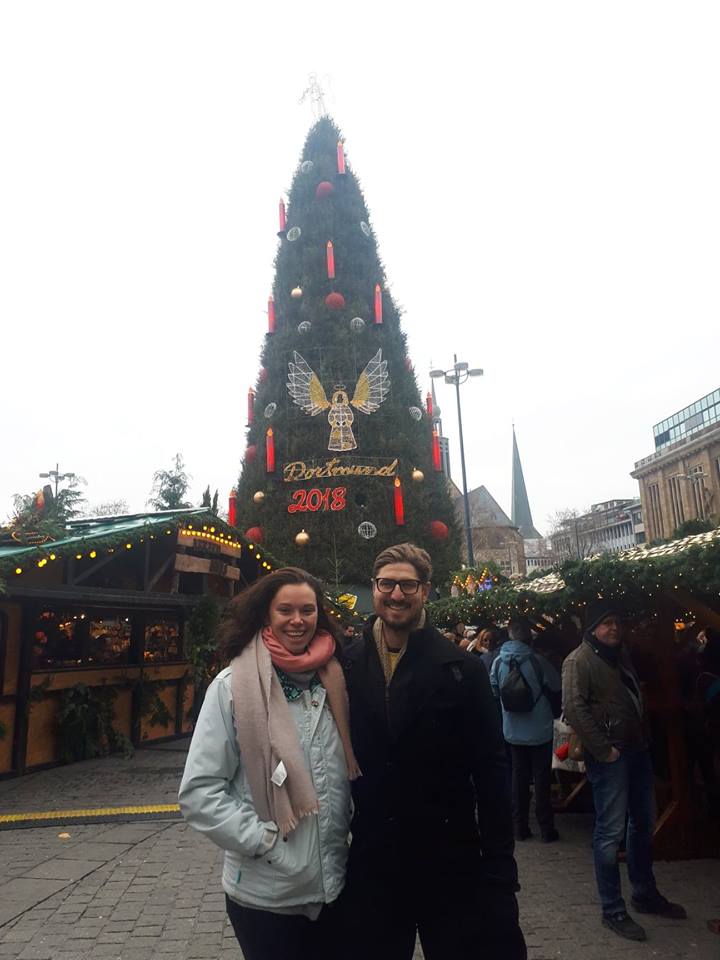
point(398, 503)
point(232, 507)
point(378, 304)
point(437, 461)
point(250, 453)
point(335, 301)
point(283, 219)
point(271, 315)
point(340, 157)
point(255, 534)
point(251, 406)
point(323, 189)
point(429, 405)
point(270, 451)
point(330, 260)
point(439, 530)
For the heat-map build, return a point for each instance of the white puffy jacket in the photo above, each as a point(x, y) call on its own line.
point(215, 798)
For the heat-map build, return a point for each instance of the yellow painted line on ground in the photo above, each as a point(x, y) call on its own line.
point(96, 812)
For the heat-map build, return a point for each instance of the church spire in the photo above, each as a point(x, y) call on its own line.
point(521, 516)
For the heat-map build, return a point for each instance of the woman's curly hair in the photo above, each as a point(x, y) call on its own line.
point(248, 612)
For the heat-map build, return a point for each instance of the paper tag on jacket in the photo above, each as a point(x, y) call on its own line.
point(279, 775)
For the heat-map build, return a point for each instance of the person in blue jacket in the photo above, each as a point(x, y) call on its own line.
point(529, 733)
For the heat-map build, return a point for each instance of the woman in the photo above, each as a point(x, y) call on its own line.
point(267, 774)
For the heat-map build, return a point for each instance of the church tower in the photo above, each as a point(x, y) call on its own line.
point(521, 515)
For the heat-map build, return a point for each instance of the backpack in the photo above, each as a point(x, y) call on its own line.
point(516, 694)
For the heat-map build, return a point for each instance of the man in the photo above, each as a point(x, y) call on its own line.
point(529, 730)
point(602, 701)
point(432, 847)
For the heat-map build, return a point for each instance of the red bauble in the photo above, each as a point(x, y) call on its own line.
point(439, 530)
point(323, 189)
point(408, 364)
point(334, 301)
point(254, 534)
point(263, 375)
point(251, 453)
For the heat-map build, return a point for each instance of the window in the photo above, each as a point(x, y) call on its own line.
point(66, 638)
point(162, 641)
point(676, 500)
point(699, 495)
point(656, 518)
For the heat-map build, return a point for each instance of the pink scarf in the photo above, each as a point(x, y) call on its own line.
point(317, 653)
point(265, 730)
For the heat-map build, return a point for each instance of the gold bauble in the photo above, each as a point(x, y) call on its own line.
point(296, 293)
point(418, 476)
point(258, 497)
point(302, 539)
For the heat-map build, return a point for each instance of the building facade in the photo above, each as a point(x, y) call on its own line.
point(494, 537)
point(680, 480)
point(608, 527)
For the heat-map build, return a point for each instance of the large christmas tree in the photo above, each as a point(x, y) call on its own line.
point(341, 459)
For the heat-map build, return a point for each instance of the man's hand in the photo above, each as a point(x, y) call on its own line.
point(614, 755)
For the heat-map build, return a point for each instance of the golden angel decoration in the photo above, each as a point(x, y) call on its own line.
point(306, 390)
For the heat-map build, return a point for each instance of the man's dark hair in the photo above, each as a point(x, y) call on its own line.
point(405, 553)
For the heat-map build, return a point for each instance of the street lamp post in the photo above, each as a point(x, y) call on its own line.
point(57, 476)
point(457, 375)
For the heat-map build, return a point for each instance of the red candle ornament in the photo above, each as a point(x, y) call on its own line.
point(270, 451)
point(340, 157)
point(437, 462)
point(378, 304)
point(330, 260)
point(232, 508)
point(399, 506)
point(271, 315)
point(429, 405)
point(283, 219)
point(251, 406)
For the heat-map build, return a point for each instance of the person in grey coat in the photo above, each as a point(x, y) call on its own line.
point(268, 773)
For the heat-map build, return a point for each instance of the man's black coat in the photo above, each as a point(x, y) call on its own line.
point(433, 794)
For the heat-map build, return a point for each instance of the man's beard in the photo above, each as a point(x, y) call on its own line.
point(409, 619)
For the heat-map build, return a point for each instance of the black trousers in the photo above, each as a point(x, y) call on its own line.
point(275, 936)
point(532, 764)
point(455, 918)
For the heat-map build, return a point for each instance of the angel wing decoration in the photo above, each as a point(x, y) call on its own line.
point(372, 386)
point(305, 388)
point(307, 392)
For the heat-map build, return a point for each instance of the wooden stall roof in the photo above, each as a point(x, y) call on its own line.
point(89, 533)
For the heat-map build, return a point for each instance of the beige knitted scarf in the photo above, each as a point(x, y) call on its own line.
point(278, 774)
point(381, 647)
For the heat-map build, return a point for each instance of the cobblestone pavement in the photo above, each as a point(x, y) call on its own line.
point(151, 889)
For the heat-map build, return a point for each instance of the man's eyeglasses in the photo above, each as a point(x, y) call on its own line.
point(407, 587)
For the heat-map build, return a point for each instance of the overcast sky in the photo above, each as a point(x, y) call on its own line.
point(542, 180)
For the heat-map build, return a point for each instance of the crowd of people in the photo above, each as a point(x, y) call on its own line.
point(369, 788)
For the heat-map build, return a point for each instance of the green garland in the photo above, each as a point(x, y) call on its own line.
point(638, 586)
